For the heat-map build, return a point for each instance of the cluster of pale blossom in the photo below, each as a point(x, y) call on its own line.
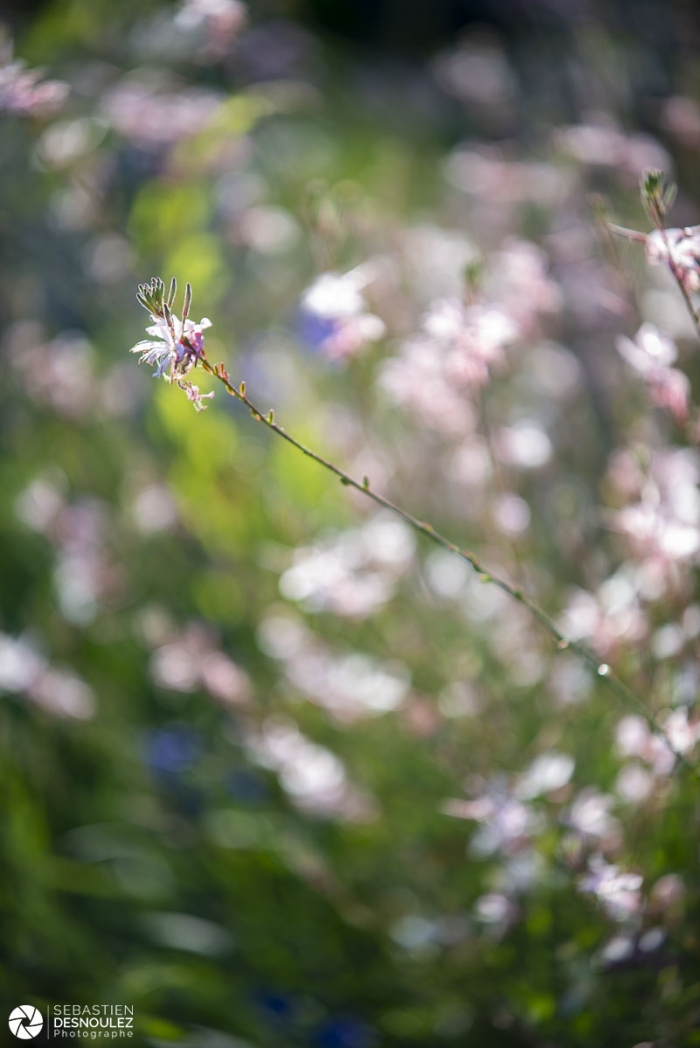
point(314, 778)
point(24, 91)
point(353, 574)
point(504, 809)
point(618, 892)
point(602, 143)
point(610, 616)
point(155, 113)
point(438, 372)
point(654, 756)
point(84, 575)
point(190, 659)
point(334, 315)
point(652, 354)
point(350, 686)
point(60, 374)
point(642, 918)
point(511, 820)
point(663, 524)
point(24, 670)
point(486, 174)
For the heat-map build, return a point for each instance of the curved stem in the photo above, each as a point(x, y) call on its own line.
point(602, 670)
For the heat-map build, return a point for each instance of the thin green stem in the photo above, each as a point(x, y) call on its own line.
point(602, 670)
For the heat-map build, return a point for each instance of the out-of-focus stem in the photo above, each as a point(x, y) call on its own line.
point(602, 670)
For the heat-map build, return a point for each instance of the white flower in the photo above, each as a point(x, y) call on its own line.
point(177, 343)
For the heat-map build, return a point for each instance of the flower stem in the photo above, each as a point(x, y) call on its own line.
point(602, 670)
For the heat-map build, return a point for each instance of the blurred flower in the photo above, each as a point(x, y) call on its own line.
point(190, 660)
point(221, 21)
point(63, 693)
point(634, 785)
point(184, 931)
point(154, 509)
point(496, 912)
point(518, 281)
point(20, 664)
point(270, 231)
point(602, 144)
point(478, 74)
point(651, 354)
point(471, 338)
point(414, 933)
point(635, 739)
point(668, 893)
point(348, 686)
point(682, 733)
point(60, 692)
point(58, 373)
point(416, 379)
point(611, 616)
point(65, 141)
point(486, 174)
point(452, 356)
point(618, 892)
point(506, 822)
point(143, 110)
point(525, 445)
point(173, 749)
point(616, 950)
point(663, 526)
point(22, 90)
point(354, 574)
point(681, 116)
point(314, 777)
point(84, 574)
point(40, 503)
point(548, 772)
point(334, 314)
point(589, 815)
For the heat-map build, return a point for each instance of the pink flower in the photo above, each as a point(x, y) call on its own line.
point(21, 90)
point(651, 355)
point(469, 339)
point(195, 396)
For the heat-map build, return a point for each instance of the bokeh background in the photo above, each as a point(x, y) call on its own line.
point(275, 771)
